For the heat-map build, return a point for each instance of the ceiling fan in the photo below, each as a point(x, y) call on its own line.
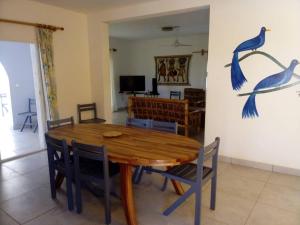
point(176, 43)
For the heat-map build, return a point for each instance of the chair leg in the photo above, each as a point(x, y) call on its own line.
point(24, 124)
point(140, 175)
point(52, 181)
point(78, 196)
point(198, 200)
point(69, 192)
point(213, 192)
point(30, 122)
point(137, 175)
point(149, 171)
point(107, 202)
point(179, 201)
point(164, 187)
point(35, 128)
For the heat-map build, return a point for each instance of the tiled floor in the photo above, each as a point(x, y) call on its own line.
point(15, 143)
point(245, 196)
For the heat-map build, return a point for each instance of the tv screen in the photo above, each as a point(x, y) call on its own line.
point(132, 83)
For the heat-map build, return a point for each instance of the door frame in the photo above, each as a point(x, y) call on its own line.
point(41, 105)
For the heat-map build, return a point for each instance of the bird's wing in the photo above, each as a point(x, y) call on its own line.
point(251, 44)
point(272, 81)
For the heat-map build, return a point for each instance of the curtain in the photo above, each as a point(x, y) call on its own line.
point(45, 47)
point(113, 84)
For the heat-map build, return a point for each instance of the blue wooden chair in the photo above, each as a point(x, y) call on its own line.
point(56, 124)
point(59, 123)
point(175, 94)
point(196, 175)
point(88, 107)
point(141, 123)
point(29, 115)
point(93, 175)
point(59, 160)
point(170, 127)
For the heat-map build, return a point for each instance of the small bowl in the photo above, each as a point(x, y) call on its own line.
point(111, 134)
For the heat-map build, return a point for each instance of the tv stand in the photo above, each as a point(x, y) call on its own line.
point(134, 93)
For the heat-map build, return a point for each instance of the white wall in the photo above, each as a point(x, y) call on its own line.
point(136, 57)
point(71, 49)
point(272, 138)
point(16, 59)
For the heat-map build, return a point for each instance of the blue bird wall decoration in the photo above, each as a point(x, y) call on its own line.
point(272, 81)
point(237, 76)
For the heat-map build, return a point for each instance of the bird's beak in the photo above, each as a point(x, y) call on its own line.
point(268, 29)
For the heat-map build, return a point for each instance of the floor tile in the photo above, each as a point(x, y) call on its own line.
point(40, 176)
point(6, 173)
point(6, 219)
point(230, 209)
point(29, 205)
point(240, 186)
point(284, 179)
point(247, 172)
point(28, 164)
point(267, 215)
point(15, 143)
point(16, 187)
point(283, 197)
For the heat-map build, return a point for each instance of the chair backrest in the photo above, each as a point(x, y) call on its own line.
point(56, 147)
point(142, 123)
point(86, 107)
point(176, 94)
point(31, 105)
point(210, 151)
point(59, 123)
point(170, 127)
point(96, 153)
point(195, 96)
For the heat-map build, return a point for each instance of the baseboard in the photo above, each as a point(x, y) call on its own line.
point(286, 170)
point(259, 165)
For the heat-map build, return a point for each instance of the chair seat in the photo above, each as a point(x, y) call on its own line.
point(28, 113)
point(97, 120)
point(94, 169)
point(89, 168)
point(188, 171)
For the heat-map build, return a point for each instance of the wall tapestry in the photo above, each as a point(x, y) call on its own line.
point(270, 83)
point(172, 70)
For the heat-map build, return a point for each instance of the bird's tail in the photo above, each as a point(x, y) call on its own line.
point(249, 110)
point(237, 76)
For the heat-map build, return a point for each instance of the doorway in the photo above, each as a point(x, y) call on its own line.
point(20, 111)
point(135, 45)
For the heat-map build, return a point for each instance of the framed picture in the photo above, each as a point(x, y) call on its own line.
point(172, 70)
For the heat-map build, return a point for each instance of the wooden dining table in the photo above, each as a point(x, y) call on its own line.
point(135, 147)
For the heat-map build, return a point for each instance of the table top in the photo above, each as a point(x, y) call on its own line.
point(136, 146)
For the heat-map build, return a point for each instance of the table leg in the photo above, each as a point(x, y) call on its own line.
point(58, 180)
point(127, 194)
point(177, 185)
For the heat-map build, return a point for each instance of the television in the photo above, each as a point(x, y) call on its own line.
point(132, 83)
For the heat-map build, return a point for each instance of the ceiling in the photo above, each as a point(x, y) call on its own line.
point(86, 6)
point(190, 23)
